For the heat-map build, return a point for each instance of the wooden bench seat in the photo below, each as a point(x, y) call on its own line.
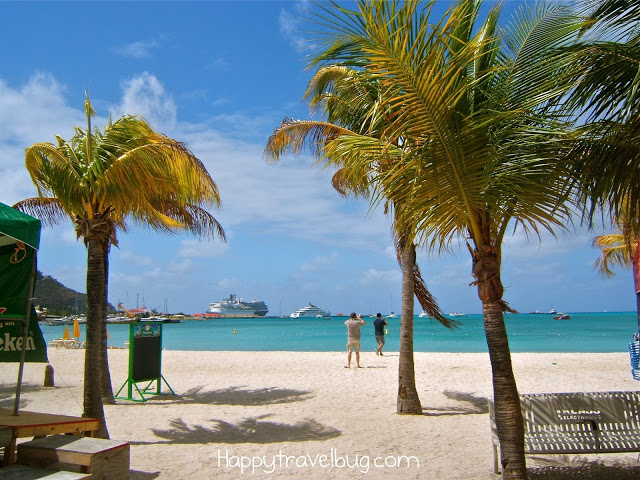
point(25, 472)
point(103, 459)
point(584, 422)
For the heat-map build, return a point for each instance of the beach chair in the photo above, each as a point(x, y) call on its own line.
point(57, 342)
point(634, 353)
point(70, 343)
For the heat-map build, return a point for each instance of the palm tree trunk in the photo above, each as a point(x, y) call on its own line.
point(408, 400)
point(105, 375)
point(505, 391)
point(505, 394)
point(93, 407)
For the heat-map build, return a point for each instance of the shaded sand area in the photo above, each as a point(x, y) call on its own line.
point(303, 415)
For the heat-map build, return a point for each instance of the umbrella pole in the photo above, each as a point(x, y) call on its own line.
point(25, 325)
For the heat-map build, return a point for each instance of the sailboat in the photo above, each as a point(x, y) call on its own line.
point(391, 314)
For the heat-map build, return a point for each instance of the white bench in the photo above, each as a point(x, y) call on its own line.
point(584, 422)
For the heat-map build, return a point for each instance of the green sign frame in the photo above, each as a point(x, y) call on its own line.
point(145, 361)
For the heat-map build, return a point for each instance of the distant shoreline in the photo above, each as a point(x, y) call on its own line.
point(593, 332)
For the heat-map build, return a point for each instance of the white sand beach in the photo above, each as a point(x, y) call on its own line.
point(303, 415)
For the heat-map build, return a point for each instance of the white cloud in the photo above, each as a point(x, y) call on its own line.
point(290, 197)
point(145, 95)
point(220, 101)
point(319, 263)
point(227, 283)
point(456, 274)
point(67, 234)
point(390, 252)
point(373, 276)
point(131, 258)
point(202, 249)
point(31, 113)
point(290, 22)
point(218, 63)
point(242, 125)
point(138, 50)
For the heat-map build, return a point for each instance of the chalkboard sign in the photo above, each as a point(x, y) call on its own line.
point(147, 354)
point(145, 359)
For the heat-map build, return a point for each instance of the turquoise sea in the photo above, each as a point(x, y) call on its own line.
point(584, 332)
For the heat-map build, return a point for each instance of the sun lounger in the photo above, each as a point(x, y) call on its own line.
point(634, 353)
point(57, 342)
point(66, 343)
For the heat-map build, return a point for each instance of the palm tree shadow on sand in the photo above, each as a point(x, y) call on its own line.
point(236, 396)
point(471, 405)
point(139, 475)
point(8, 394)
point(250, 430)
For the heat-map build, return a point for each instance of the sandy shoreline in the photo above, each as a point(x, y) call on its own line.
point(306, 410)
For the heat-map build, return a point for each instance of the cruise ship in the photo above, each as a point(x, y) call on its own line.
point(237, 307)
point(310, 311)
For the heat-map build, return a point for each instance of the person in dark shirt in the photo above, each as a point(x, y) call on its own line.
point(379, 324)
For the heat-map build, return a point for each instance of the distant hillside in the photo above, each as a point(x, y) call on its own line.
point(57, 298)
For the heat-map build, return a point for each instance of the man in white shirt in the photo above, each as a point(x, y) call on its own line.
point(354, 324)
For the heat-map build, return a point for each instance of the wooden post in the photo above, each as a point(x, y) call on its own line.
point(48, 376)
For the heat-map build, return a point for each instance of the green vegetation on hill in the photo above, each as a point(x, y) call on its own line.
point(58, 299)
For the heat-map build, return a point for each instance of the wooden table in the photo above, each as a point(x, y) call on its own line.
point(34, 424)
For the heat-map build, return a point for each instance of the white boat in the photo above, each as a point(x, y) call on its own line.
point(457, 314)
point(561, 316)
point(237, 307)
point(392, 315)
point(310, 311)
point(120, 319)
point(68, 320)
point(423, 314)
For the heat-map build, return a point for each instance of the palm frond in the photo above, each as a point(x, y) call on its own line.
point(615, 252)
point(294, 136)
point(125, 171)
point(429, 303)
point(48, 210)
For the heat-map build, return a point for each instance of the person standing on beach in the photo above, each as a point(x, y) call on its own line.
point(354, 324)
point(379, 324)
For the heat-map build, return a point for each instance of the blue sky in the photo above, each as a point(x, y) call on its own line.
point(221, 76)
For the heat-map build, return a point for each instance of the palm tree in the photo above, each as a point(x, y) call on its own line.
point(620, 250)
point(102, 179)
point(607, 153)
point(349, 100)
point(476, 108)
